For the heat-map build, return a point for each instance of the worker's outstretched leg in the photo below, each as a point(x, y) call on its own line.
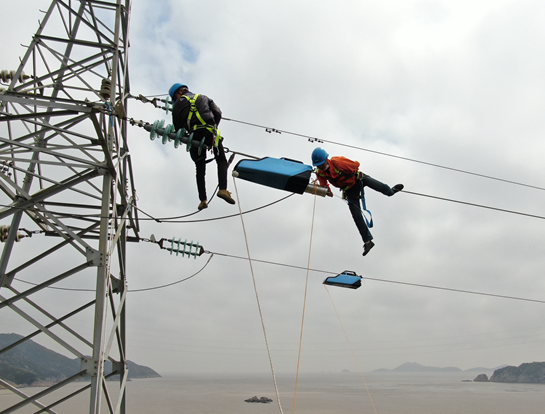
point(353, 196)
point(376, 185)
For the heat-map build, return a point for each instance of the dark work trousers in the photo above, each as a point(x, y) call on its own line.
point(354, 194)
point(200, 162)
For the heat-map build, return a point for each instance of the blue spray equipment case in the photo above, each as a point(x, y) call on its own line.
point(346, 279)
point(280, 173)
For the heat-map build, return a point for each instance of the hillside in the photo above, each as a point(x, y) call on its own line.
point(30, 363)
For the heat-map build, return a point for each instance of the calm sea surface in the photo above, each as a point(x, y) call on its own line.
point(323, 393)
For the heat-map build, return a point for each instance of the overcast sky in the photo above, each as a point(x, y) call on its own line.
point(456, 84)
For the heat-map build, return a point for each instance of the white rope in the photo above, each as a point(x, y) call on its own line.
point(352, 349)
point(304, 304)
point(258, 302)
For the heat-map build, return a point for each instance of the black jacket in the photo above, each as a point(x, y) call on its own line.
point(210, 112)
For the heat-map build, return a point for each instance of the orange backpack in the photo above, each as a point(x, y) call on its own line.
point(345, 166)
point(343, 173)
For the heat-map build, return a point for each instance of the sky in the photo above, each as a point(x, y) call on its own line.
point(445, 97)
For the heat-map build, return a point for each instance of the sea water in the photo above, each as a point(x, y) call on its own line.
point(321, 393)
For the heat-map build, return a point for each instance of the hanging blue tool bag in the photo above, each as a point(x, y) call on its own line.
point(280, 173)
point(346, 279)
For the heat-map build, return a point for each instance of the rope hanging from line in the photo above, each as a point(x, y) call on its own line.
point(258, 302)
point(304, 303)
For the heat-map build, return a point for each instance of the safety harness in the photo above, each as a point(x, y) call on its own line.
point(194, 111)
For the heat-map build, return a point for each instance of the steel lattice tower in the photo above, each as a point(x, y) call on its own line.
point(67, 205)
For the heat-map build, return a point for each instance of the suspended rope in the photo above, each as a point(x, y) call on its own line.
point(304, 302)
point(258, 302)
point(352, 349)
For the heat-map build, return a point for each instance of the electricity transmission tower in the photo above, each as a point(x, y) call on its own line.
point(67, 205)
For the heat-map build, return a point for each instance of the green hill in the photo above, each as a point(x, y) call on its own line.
point(30, 363)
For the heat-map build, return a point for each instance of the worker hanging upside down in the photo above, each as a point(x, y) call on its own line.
point(199, 115)
point(343, 173)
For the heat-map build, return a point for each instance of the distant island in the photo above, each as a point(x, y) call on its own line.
point(414, 367)
point(32, 364)
point(527, 373)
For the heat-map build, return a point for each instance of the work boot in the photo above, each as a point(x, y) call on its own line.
point(397, 188)
point(202, 205)
point(368, 245)
point(226, 195)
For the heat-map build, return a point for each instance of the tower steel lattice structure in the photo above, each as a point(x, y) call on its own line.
point(67, 203)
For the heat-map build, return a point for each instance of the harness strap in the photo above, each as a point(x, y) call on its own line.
point(193, 110)
point(363, 208)
point(344, 173)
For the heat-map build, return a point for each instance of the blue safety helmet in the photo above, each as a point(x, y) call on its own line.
point(174, 88)
point(319, 156)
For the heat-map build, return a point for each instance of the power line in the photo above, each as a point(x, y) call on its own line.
point(173, 219)
point(475, 205)
point(129, 290)
point(327, 272)
point(166, 219)
point(173, 283)
point(387, 281)
point(320, 140)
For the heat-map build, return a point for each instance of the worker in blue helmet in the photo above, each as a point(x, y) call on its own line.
point(344, 173)
point(199, 115)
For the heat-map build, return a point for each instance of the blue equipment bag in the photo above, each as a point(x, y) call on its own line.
point(346, 279)
point(280, 173)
